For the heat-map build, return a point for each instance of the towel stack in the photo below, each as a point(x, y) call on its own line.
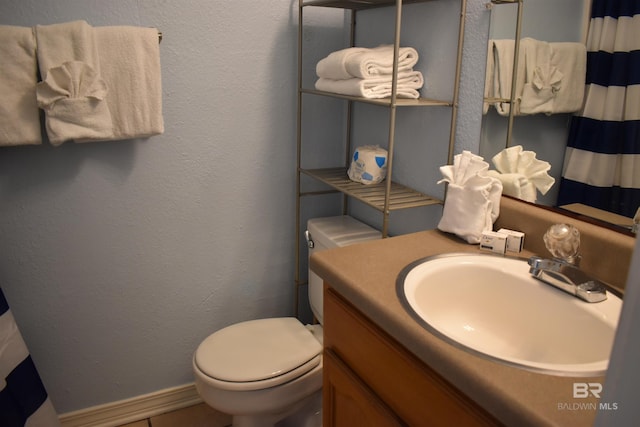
point(98, 84)
point(550, 76)
point(368, 72)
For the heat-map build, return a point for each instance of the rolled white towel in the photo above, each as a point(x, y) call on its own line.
point(365, 62)
point(375, 87)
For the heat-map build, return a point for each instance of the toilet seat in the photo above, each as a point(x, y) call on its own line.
point(258, 354)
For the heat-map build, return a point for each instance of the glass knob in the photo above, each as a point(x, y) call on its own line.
point(563, 242)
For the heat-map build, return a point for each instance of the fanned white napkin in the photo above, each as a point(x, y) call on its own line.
point(521, 173)
point(73, 96)
point(473, 198)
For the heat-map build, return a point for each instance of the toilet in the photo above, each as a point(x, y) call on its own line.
point(268, 372)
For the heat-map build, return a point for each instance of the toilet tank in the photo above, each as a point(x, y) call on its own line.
point(327, 233)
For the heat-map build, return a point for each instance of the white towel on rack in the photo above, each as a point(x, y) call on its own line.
point(19, 115)
point(69, 41)
point(542, 79)
point(130, 66)
point(365, 62)
point(408, 84)
point(499, 72)
point(571, 60)
point(72, 92)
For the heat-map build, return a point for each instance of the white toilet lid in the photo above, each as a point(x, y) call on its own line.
point(257, 350)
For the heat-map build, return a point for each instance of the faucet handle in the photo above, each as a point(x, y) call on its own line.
point(563, 242)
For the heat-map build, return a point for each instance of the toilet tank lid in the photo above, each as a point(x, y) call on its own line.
point(257, 350)
point(338, 231)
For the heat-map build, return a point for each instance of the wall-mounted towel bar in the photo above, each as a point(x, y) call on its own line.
point(159, 36)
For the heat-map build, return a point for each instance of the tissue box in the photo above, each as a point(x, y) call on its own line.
point(369, 165)
point(515, 239)
point(493, 241)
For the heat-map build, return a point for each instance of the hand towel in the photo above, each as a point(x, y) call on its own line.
point(500, 63)
point(473, 198)
point(130, 66)
point(521, 173)
point(19, 115)
point(362, 63)
point(542, 79)
point(571, 60)
point(375, 87)
point(69, 41)
point(72, 92)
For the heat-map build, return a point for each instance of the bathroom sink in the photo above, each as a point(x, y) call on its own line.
point(491, 306)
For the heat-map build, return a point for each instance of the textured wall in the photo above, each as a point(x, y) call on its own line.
point(118, 258)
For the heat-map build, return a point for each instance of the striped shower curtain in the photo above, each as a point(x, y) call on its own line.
point(604, 140)
point(23, 398)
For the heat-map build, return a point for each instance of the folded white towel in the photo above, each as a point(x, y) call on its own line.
point(541, 79)
point(72, 93)
point(365, 62)
point(473, 198)
point(19, 115)
point(69, 41)
point(500, 57)
point(521, 173)
point(375, 87)
point(130, 66)
point(571, 60)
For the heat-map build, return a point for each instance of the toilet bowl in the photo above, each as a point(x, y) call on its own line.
point(269, 371)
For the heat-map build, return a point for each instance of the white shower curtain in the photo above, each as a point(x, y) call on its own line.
point(602, 160)
point(23, 399)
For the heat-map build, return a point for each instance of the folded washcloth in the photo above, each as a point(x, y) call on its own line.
point(72, 92)
point(130, 66)
point(473, 198)
point(73, 98)
point(408, 84)
point(521, 173)
point(19, 115)
point(365, 62)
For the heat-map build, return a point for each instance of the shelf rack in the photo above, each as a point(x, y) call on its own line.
point(389, 195)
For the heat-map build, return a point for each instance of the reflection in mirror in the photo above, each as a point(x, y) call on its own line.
point(547, 134)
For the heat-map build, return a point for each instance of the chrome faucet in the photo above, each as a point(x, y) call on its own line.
point(562, 272)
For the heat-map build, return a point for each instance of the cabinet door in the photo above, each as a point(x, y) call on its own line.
point(348, 402)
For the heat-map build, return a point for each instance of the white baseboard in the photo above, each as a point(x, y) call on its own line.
point(130, 410)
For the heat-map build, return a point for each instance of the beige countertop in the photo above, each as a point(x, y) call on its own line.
point(366, 275)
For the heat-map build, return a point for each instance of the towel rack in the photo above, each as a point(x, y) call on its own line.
point(159, 36)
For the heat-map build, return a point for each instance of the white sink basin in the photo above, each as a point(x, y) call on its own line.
point(491, 306)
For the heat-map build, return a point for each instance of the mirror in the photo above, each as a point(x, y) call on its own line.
point(546, 135)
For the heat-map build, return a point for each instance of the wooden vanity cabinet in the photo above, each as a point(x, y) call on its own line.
point(372, 380)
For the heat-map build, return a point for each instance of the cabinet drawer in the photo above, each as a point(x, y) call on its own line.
point(415, 392)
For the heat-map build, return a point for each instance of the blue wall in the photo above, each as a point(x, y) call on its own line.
point(120, 257)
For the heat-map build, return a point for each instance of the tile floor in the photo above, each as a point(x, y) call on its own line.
point(199, 415)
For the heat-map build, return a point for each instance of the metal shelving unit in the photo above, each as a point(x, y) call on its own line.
point(388, 195)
